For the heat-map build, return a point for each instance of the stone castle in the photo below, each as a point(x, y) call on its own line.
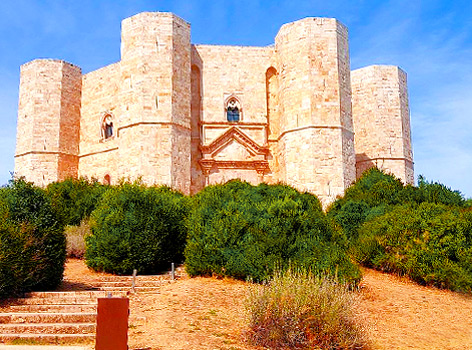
point(186, 115)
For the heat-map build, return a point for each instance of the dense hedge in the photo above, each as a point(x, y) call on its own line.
point(75, 199)
point(376, 193)
point(423, 232)
point(431, 243)
point(137, 227)
point(32, 242)
point(244, 231)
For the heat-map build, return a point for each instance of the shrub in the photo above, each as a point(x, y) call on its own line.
point(376, 193)
point(430, 243)
point(244, 231)
point(352, 215)
point(296, 309)
point(137, 227)
point(32, 242)
point(374, 188)
point(435, 192)
point(75, 199)
point(75, 237)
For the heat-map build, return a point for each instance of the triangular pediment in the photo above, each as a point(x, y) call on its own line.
point(233, 150)
point(236, 142)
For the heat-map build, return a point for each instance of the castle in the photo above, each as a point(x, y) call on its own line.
point(186, 115)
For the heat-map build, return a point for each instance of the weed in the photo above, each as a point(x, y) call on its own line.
point(297, 309)
point(21, 341)
point(75, 236)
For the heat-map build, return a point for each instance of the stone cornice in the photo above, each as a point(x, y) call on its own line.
point(45, 152)
point(98, 152)
point(240, 123)
point(153, 123)
point(261, 166)
point(338, 127)
point(364, 160)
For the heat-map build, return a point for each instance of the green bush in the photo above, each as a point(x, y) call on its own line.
point(376, 193)
point(430, 243)
point(244, 231)
point(137, 227)
point(374, 188)
point(75, 199)
point(32, 242)
point(298, 310)
point(435, 192)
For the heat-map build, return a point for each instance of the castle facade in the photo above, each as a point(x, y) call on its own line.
point(187, 116)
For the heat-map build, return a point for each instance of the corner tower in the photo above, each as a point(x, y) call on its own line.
point(154, 128)
point(316, 132)
point(47, 142)
point(382, 121)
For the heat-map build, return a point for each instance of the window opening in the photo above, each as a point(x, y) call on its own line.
point(233, 111)
point(107, 127)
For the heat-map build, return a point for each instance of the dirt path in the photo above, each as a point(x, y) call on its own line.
point(198, 313)
point(404, 315)
point(207, 313)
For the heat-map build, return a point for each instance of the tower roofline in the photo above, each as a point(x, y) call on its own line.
point(52, 60)
point(156, 13)
point(379, 66)
point(321, 20)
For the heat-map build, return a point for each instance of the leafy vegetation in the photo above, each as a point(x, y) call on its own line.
point(245, 231)
point(237, 230)
point(32, 242)
point(375, 193)
point(137, 227)
point(75, 199)
point(431, 243)
point(423, 232)
point(298, 310)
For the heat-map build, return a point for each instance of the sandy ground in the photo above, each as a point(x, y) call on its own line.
point(404, 315)
point(197, 313)
point(208, 313)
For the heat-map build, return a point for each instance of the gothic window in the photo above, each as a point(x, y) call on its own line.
point(233, 110)
point(107, 127)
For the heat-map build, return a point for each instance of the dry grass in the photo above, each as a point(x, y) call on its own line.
point(298, 310)
point(75, 236)
point(404, 315)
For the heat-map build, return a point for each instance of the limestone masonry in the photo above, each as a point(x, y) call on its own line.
point(186, 115)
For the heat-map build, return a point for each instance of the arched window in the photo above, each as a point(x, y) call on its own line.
point(107, 127)
point(107, 180)
point(233, 110)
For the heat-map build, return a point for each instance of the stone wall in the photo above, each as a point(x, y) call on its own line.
point(382, 121)
point(48, 121)
point(167, 102)
point(227, 71)
point(314, 103)
point(100, 97)
point(155, 70)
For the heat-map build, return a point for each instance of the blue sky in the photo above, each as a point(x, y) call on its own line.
point(431, 40)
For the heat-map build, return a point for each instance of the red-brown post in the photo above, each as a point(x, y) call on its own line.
point(112, 324)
